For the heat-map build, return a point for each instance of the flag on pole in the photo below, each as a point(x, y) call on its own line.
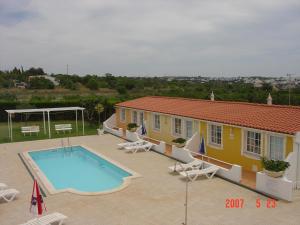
point(37, 205)
point(202, 146)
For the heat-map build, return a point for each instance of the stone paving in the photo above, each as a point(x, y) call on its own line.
point(157, 198)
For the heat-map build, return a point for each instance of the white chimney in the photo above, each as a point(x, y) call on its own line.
point(269, 100)
point(212, 96)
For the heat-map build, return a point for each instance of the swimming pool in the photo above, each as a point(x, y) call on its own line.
point(77, 169)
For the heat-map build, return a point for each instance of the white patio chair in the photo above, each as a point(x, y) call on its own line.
point(130, 144)
point(192, 175)
point(179, 167)
point(48, 219)
point(2, 186)
point(144, 147)
point(8, 194)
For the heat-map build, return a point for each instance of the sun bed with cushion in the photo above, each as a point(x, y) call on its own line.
point(56, 217)
point(8, 194)
point(129, 144)
point(192, 175)
point(2, 186)
point(30, 129)
point(144, 147)
point(178, 167)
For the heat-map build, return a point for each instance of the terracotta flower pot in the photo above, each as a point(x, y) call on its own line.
point(274, 173)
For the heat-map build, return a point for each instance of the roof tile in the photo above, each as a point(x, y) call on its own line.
point(276, 118)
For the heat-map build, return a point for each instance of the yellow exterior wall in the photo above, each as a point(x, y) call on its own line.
point(232, 145)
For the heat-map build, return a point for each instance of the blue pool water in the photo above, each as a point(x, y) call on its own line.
point(77, 168)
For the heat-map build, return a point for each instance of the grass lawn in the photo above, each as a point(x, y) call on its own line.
point(90, 129)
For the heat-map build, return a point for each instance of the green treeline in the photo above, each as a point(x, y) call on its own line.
point(87, 91)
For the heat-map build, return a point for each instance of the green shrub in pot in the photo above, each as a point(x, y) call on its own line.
point(179, 142)
point(132, 127)
point(274, 168)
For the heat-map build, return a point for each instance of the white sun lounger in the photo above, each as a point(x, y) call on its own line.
point(178, 167)
point(192, 175)
point(8, 194)
point(129, 144)
point(48, 219)
point(145, 147)
point(2, 186)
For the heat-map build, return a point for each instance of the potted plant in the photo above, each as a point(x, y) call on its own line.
point(132, 127)
point(274, 168)
point(179, 142)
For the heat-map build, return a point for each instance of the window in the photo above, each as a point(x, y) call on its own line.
point(156, 124)
point(276, 149)
point(188, 128)
point(177, 126)
point(253, 142)
point(215, 135)
point(122, 115)
point(134, 117)
point(141, 118)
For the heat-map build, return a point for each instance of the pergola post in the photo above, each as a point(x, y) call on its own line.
point(82, 121)
point(49, 129)
point(11, 133)
point(76, 122)
point(44, 122)
point(8, 125)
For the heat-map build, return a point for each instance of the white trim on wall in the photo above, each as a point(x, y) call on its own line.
point(122, 120)
point(153, 122)
point(214, 146)
point(244, 142)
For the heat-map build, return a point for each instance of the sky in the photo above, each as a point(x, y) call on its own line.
point(147, 38)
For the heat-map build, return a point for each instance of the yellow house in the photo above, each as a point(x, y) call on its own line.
point(235, 132)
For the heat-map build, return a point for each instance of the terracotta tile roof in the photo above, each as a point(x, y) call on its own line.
point(276, 118)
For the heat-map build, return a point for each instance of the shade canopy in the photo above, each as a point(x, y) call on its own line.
point(47, 111)
point(11, 111)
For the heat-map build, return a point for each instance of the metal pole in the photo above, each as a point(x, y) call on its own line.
point(44, 122)
point(8, 125)
point(186, 200)
point(76, 122)
point(11, 133)
point(82, 122)
point(289, 76)
point(49, 129)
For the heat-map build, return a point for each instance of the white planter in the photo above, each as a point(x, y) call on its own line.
point(273, 173)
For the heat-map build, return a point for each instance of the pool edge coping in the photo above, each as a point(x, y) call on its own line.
point(38, 173)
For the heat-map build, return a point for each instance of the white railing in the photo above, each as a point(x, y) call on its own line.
point(278, 187)
point(110, 125)
point(161, 147)
point(191, 149)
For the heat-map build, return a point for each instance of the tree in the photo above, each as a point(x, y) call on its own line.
point(40, 83)
point(99, 109)
point(92, 84)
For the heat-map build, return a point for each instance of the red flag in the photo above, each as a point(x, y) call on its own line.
point(37, 203)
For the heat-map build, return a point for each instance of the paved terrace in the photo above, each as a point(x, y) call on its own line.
point(155, 199)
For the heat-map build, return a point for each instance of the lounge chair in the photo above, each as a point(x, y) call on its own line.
point(2, 186)
point(48, 219)
point(179, 167)
point(192, 175)
point(145, 147)
point(130, 144)
point(8, 194)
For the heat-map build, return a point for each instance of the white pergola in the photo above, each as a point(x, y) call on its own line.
point(10, 112)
